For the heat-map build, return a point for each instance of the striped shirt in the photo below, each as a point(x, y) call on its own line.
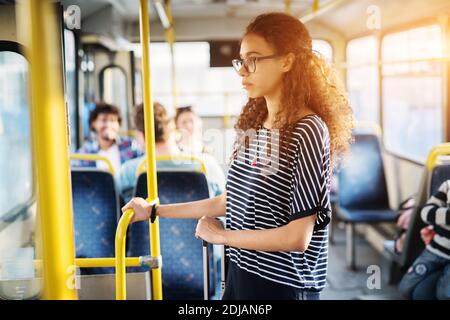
point(436, 212)
point(268, 186)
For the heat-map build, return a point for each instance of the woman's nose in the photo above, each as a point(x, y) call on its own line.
point(243, 71)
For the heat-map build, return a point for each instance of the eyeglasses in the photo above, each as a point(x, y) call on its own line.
point(249, 63)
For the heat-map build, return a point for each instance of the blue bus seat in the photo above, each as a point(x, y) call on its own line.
point(362, 192)
point(95, 214)
point(182, 253)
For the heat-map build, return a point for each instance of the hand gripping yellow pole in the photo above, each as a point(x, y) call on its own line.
point(38, 31)
point(150, 143)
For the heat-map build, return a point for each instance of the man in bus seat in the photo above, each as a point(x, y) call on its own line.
point(104, 122)
point(165, 145)
point(429, 276)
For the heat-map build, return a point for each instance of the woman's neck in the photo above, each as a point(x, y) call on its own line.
point(272, 103)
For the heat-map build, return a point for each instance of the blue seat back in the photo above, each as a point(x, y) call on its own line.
point(439, 175)
point(95, 213)
point(182, 253)
point(362, 182)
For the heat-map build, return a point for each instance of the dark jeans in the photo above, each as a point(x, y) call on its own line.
point(244, 285)
point(427, 279)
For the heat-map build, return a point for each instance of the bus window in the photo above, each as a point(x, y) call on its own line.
point(213, 91)
point(15, 162)
point(16, 191)
point(412, 91)
point(114, 90)
point(71, 88)
point(362, 78)
point(324, 48)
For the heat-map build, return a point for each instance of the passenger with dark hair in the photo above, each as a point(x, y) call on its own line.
point(104, 122)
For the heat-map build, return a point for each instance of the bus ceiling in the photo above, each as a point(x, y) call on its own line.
point(226, 19)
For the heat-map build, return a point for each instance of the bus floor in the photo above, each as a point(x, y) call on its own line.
point(344, 284)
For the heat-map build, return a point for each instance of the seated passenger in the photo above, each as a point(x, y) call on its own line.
point(429, 276)
point(165, 145)
point(189, 125)
point(105, 121)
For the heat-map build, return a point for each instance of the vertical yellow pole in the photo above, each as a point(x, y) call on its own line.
point(150, 142)
point(315, 6)
point(170, 38)
point(288, 6)
point(38, 31)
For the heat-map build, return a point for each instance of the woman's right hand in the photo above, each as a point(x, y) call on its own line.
point(141, 208)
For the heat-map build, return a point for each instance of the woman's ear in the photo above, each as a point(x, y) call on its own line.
point(288, 62)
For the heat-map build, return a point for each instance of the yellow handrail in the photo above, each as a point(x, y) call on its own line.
point(440, 150)
point(288, 6)
point(170, 39)
point(38, 31)
point(106, 262)
point(149, 127)
point(124, 221)
point(98, 262)
point(121, 233)
point(120, 246)
point(142, 164)
point(93, 157)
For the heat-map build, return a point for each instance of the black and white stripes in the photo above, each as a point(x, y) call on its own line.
point(270, 185)
point(436, 212)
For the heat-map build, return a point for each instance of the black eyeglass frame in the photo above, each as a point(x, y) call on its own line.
point(239, 63)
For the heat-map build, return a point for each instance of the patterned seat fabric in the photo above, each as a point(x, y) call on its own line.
point(95, 212)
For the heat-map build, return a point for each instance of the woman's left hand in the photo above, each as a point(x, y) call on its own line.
point(211, 230)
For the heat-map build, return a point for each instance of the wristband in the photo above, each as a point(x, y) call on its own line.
point(153, 213)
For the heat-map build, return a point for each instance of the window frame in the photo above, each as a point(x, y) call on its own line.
point(76, 125)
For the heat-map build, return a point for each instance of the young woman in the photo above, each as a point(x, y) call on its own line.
point(277, 195)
